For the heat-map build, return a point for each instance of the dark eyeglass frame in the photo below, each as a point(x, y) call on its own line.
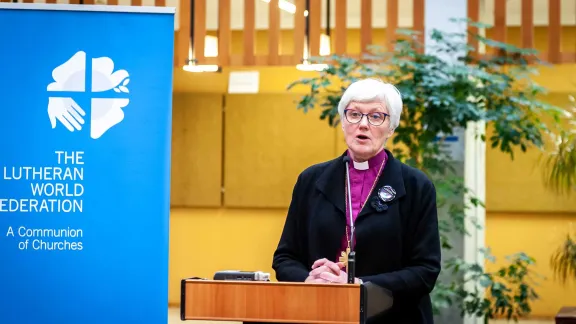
point(367, 117)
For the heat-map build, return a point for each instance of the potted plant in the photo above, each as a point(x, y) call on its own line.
point(559, 170)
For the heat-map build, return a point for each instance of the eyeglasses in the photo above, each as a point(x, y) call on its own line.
point(375, 118)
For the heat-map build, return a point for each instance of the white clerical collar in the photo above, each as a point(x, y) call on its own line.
point(361, 165)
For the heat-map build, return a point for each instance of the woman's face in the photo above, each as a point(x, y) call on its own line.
point(366, 139)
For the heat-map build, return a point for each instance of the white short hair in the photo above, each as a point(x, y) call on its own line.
point(369, 90)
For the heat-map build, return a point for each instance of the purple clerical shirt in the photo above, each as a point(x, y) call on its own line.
point(362, 177)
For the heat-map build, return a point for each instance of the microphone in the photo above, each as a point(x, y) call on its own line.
point(352, 256)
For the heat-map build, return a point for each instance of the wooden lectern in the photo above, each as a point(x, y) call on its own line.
point(280, 302)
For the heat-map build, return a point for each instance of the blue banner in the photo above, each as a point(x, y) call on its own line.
point(85, 128)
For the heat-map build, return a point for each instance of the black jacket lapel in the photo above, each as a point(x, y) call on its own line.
point(331, 182)
point(391, 176)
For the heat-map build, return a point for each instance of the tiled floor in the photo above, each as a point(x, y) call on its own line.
point(174, 317)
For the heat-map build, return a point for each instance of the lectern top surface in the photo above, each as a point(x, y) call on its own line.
point(79, 7)
point(269, 283)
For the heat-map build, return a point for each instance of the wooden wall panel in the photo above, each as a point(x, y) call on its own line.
point(249, 32)
point(418, 18)
point(273, 33)
point(268, 143)
point(224, 33)
point(500, 23)
point(199, 41)
point(537, 235)
point(391, 23)
point(340, 29)
point(554, 31)
point(315, 20)
point(365, 25)
point(474, 15)
point(278, 42)
point(182, 36)
point(527, 26)
point(517, 185)
point(196, 150)
point(298, 33)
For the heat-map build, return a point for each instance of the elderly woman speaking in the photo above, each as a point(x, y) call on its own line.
point(394, 214)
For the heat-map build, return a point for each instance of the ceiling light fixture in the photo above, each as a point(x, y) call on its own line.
point(287, 6)
point(191, 66)
point(309, 67)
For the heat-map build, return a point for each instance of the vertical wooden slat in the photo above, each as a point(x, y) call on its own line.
point(135, 2)
point(115, 3)
point(249, 31)
point(299, 21)
point(527, 23)
point(391, 22)
point(418, 11)
point(554, 31)
point(199, 30)
point(47, 1)
point(224, 33)
point(183, 33)
point(273, 32)
point(365, 25)
point(160, 3)
point(314, 27)
point(340, 31)
point(499, 22)
point(89, 2)
point(474, 16)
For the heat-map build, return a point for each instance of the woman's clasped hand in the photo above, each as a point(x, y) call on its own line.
point(326, 271)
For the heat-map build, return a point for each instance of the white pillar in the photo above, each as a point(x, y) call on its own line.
point(475, 180)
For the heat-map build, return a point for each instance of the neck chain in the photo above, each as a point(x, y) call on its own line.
point(363, 204)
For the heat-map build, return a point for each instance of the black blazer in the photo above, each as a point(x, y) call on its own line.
point(398, 249)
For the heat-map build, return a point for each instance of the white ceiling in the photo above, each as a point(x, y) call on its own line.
point(568, 8)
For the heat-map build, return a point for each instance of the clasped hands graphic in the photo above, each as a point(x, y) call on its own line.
point(67, 111)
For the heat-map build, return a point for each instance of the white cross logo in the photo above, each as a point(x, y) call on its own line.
point(70, 80)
